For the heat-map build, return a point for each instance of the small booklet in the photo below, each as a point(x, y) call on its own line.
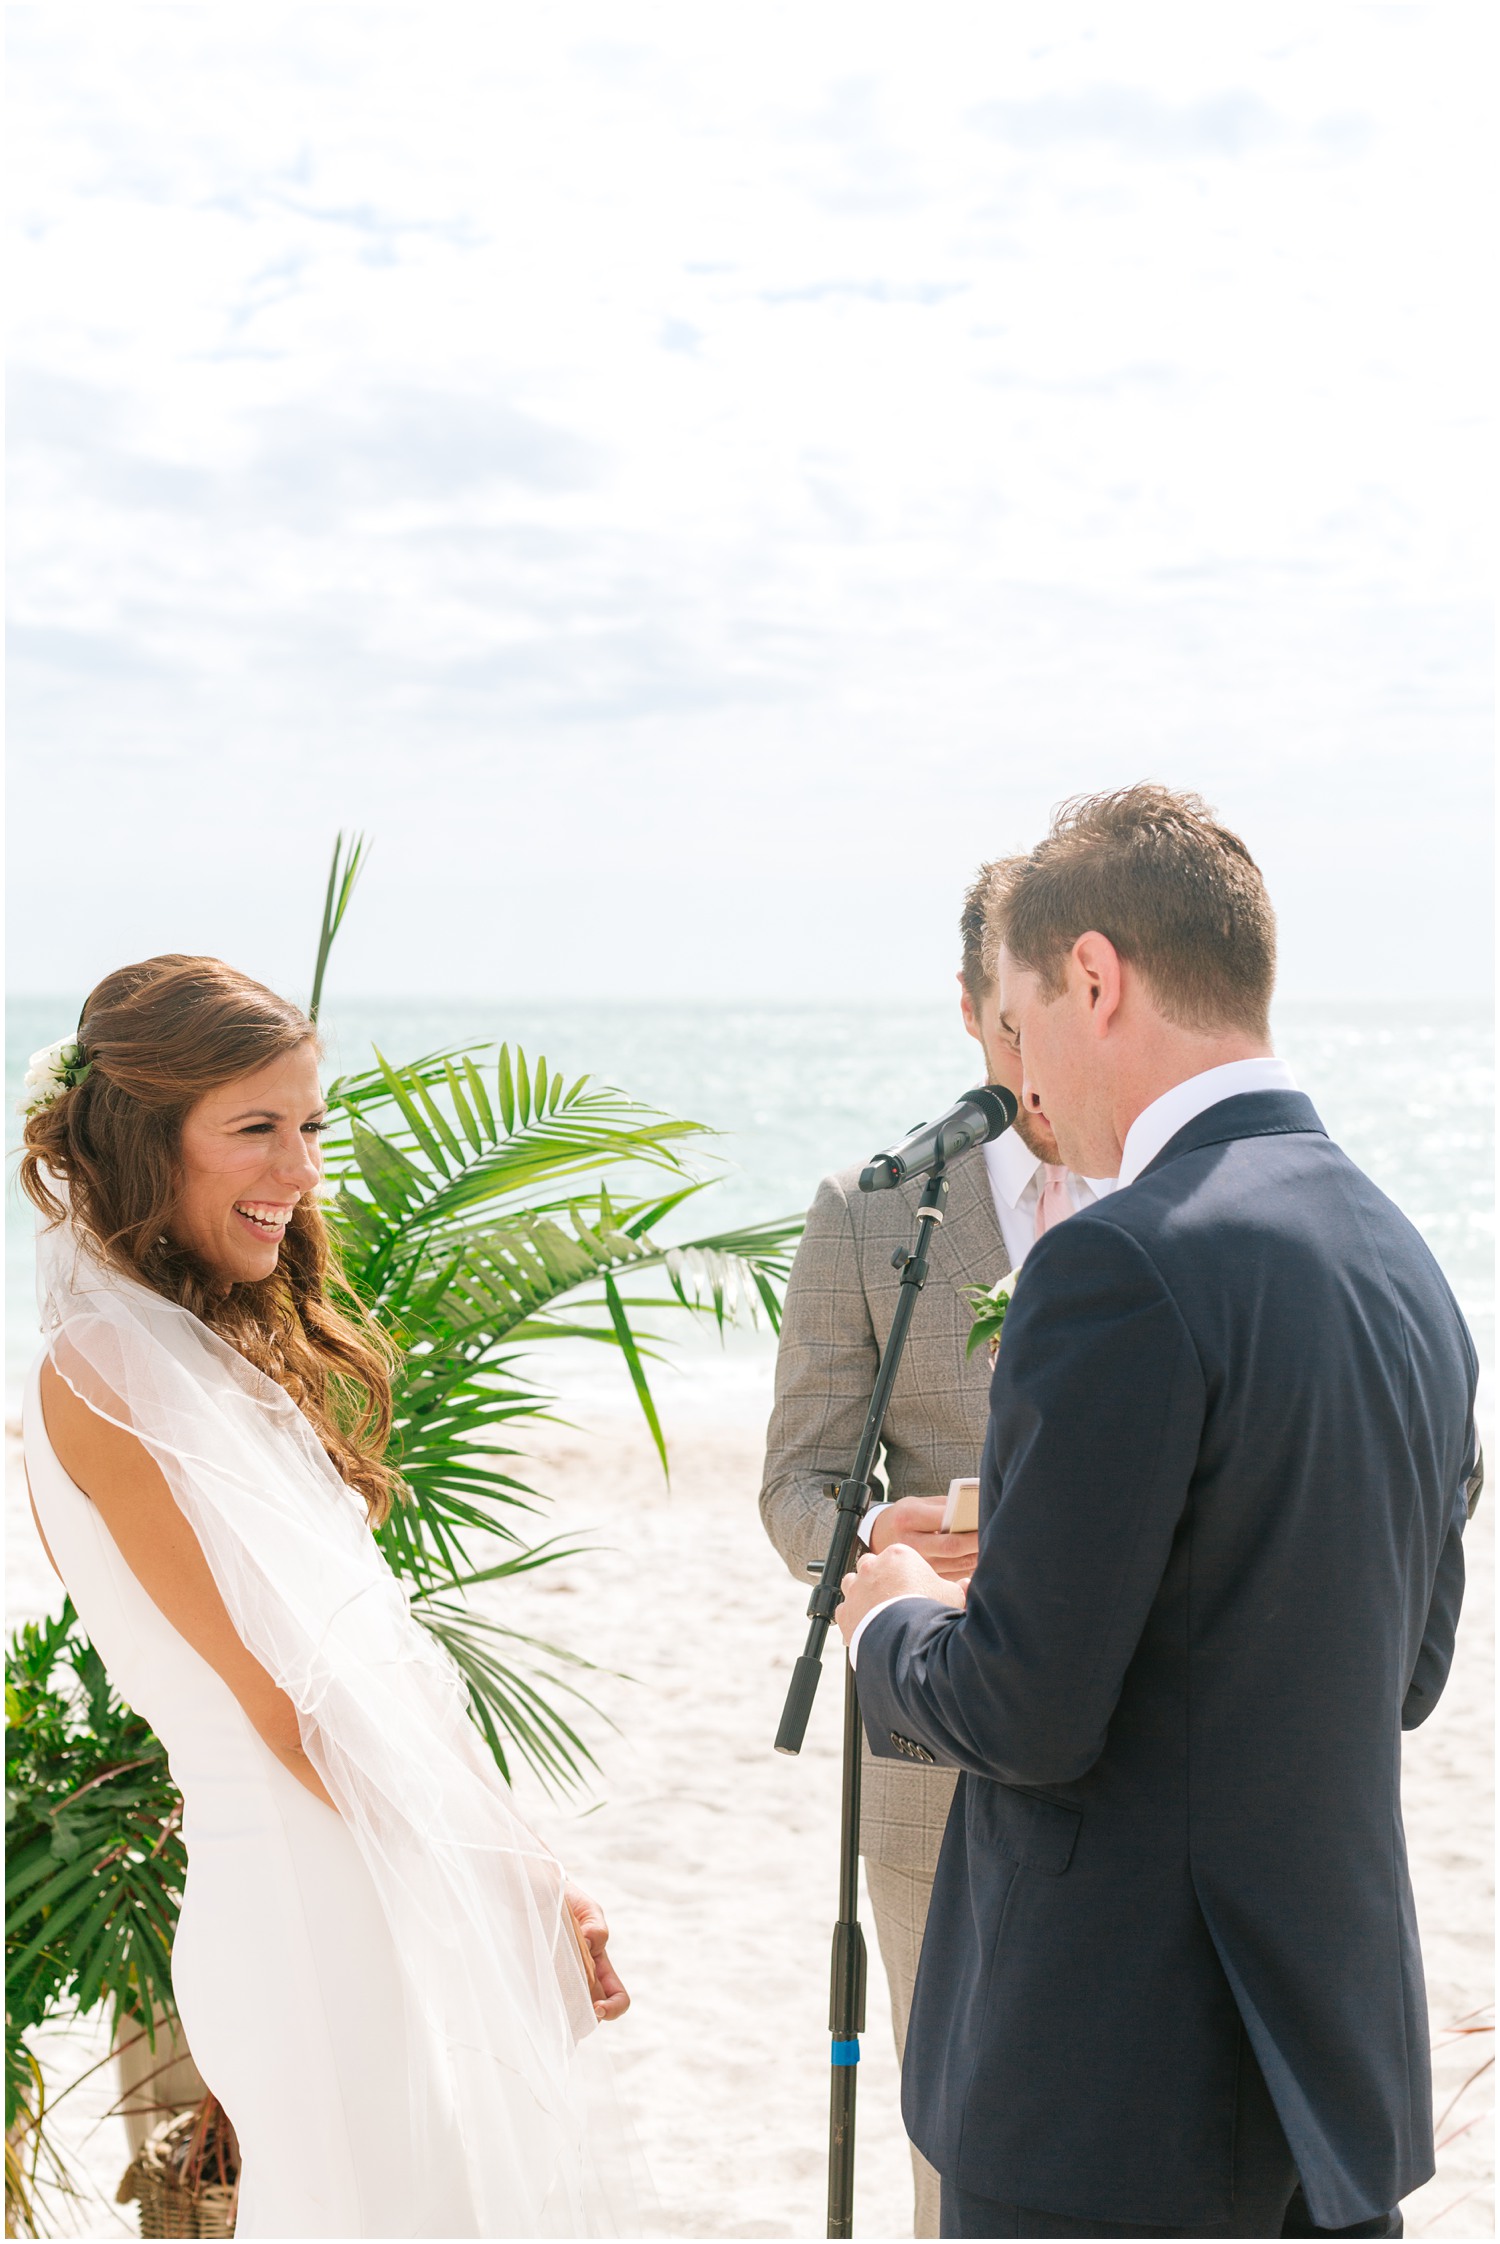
point(962, 1514)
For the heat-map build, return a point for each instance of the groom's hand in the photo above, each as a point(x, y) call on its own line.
point(894, 1572)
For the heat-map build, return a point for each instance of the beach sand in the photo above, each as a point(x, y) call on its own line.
point(716, 1858)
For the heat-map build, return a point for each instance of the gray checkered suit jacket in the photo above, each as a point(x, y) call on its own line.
point(839, 1303)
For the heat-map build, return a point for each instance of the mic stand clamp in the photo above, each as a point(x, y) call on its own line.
point(846, 2014)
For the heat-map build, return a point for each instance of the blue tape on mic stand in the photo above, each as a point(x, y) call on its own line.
point(846, 2052)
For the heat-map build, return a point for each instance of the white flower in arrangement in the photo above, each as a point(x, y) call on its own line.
point(50, 1072)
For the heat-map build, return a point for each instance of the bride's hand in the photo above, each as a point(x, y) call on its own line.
point(609, 1996)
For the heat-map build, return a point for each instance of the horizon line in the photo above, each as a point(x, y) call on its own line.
point(432, 1000)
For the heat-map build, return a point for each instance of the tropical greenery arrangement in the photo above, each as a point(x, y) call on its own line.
point(484, 1205)
point(94, 1866)
point(472, 1203)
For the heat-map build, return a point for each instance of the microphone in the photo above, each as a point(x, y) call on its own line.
point(980, 1114)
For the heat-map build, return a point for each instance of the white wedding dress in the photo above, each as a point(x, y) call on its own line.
point(284, 1968)
point(386, 1998)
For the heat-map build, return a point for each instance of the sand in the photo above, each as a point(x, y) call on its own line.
point(716, 1858)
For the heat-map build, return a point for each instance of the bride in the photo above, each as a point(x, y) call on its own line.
point(382, 1974)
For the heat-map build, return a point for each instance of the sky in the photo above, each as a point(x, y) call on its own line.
point(692, 482)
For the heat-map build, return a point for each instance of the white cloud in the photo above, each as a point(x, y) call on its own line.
point(688, 492)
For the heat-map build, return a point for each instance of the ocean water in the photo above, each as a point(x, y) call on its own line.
point(797, 1090)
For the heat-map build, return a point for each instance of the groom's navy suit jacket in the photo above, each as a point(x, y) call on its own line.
point(1220, 1568)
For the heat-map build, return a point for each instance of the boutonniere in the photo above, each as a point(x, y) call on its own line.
point(989, 1304)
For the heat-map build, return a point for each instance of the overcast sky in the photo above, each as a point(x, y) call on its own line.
point(693, 480)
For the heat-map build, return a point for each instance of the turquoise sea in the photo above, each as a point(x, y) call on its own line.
point(797, 1090)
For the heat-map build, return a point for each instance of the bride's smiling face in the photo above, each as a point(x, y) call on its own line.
point(249, 1152)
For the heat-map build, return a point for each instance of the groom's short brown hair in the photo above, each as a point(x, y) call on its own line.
point(1177, 894)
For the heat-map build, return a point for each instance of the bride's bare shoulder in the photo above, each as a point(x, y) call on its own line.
point(93, 1450)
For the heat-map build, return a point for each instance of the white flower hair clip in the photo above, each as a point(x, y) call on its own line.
point(56, 1068)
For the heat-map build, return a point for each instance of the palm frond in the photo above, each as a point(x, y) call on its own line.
point(464, 1231)
point(343, 873)
point(427, 1137)
point(94, 1859)
point(506, 1703)
point(25, 2139)
point(630, 1350)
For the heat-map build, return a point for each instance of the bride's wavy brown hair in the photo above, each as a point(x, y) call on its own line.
point(156, 1037)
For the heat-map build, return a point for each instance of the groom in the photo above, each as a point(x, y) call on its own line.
point(836, 1318)
point(1171, 1983)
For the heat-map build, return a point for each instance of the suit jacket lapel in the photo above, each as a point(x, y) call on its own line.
point(968, 1250)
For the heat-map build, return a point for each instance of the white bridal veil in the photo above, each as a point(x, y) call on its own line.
point(514, 2124)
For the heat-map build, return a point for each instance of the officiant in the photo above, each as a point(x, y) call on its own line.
point(839, 1304)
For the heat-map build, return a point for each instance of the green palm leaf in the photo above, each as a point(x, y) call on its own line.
point(486, 1206)
point(505, 1702)
point(94, 1855)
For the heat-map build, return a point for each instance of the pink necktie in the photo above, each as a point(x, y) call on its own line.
point(1052, 1202)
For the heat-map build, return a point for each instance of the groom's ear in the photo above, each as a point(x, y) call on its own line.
point(1096, 975)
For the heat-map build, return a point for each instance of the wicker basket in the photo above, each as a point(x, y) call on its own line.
point(185, 2177)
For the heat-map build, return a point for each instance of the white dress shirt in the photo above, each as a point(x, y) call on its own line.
point(1159, 1122)
point(1015, 1175)
point(1152, 1128)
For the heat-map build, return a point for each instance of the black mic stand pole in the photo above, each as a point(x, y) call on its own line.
point(846, 2013)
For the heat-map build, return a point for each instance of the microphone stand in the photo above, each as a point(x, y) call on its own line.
point(846, 2012)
